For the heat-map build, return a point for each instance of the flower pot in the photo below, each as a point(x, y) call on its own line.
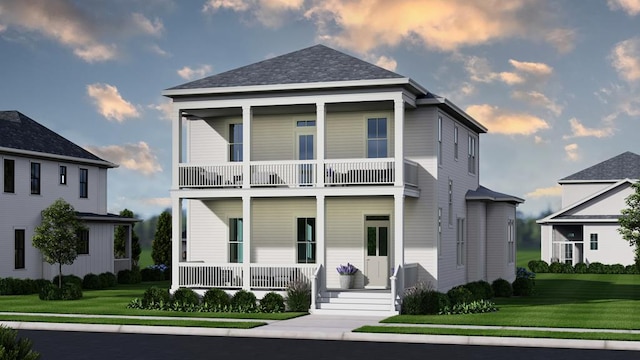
point(346, 281)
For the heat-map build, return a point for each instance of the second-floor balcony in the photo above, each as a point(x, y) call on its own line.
point(297, 173)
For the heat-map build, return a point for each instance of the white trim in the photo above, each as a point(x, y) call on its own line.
point(41, 155)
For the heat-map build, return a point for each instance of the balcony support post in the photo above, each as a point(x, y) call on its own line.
point(398, 238)
point(247, 116)
point(398, 133)
point(176, 150)
point(176, 240)
point(246, 242)
point(320, 143)
point(320, 237)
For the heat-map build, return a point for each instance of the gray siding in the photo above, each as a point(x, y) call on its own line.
point(498, 215)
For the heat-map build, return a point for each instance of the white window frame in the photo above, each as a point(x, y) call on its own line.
point(439, 140)
point(593, 240)
point(367, 139)
point(232, 144)
point(460, 242)
point(439, 244)
point(450, 206)
point(511, 241)
point(313, 242)
point(472, 155)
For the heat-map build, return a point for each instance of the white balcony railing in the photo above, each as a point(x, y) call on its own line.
point(271, 276)
point(284, 173)
point(360, 171)
point(222, 175)
point(280, 276)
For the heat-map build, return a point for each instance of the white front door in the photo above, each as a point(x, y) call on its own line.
point(377, 244)
point(305, 151)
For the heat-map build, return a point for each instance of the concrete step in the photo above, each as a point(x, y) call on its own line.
point(354, 300)
point(352, 312)
point(354, 307)
point(361, 294)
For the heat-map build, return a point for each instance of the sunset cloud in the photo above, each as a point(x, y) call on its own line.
point(138, 157)
point(270, 13)
point(571, 151)
point(533, 68)
point(155, 27)
point(165, 108)
point(538, 99)
point(579, 130)
point(480, 70)
point(625, 59)
point(552, 191)
point(110, 103)
point(631, 7)
point(501, 121)
point(386, 63)
point(188, 73)
point(159, 201)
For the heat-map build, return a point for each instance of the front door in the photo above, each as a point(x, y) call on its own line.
point(376, 265)
point(305, 152)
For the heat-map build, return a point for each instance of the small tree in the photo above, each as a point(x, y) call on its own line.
point(57, 236)
point(119, 241)
point(630, 222)
point(161, 247)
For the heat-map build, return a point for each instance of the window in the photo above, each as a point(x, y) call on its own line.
point(450, 202)
point(455, 142)
point(83, 242)
point(84, 183)
point(306, 240)
point(63, 175)
point(568, 254)
point(9, 176)
point(235, 240)
point(35, 178)
point(439, 140)
point(19, 249)
point(472, 155)
point(511, 243)
point(235, 142)
point(460, 243)
point(377, 138)
point(306, 123)
point(594, 241)
point(439, 231)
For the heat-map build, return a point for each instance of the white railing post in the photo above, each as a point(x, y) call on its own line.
point(394, 288)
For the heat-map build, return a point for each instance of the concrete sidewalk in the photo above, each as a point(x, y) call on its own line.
point(327, 327)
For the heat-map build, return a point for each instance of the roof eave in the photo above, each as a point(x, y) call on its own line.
point(37, 154)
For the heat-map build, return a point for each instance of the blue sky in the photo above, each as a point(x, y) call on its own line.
point(557, 83)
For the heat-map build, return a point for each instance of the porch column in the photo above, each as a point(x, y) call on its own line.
point(246, 242)
point(176, 149)
point(320, 240)
point(398, 133)
point(320, 144)
point(176, 240)
point(398, 238)
point(247, 115)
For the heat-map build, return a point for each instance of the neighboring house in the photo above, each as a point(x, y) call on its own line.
point(585, 230)
point(302, 162)
point(38, 167)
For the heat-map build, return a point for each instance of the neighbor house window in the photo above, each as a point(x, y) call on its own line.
point(235, 142)
point(450, 202)
point(235, 240)
point(439, 140)
point(568, 254)
point(377, 138)
point(455, 142)
point(19, 249)
point(306, 240)
point(84, 183)
point(594, 241)
point(511, 241)
point(460, 243)
point(306, 123)
point(35, 178)
point(9, 176)
point(472, 155)
point(439, 231)
point(63, 175)
point(83, 242)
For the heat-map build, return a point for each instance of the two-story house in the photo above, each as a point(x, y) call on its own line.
point(297, 164)
point(38, 167)
point(585, 229)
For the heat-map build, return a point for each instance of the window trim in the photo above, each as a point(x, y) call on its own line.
point(471, 156)
point(377, 139)
point(238, 241)
point(84, 185)
point(313, 243)
point(13, 176)
point(36, 177)
point(450, 203)
point(511, 241)
point(461, 244)
point(62, 175)
point(593, 241)
point(439, 150)
point(439, 239)
point(19, 252)
point(232, 144)
point(83, 242)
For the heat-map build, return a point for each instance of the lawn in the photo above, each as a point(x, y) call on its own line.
point(145, 258)
point(525, 255)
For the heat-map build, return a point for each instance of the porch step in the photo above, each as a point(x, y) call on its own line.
point(355, 302)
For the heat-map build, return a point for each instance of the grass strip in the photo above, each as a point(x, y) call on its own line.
point(125, 321)
point(499, 333)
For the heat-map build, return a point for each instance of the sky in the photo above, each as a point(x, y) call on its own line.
point(557, 83)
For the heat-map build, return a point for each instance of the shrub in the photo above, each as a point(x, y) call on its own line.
point(186, 297)
point(481, 290)
point(474, 307)
point(244, 301)
point(129, 276)
point(272, 303)
point(437, 302)
point(459, 295)
point(39, 284)
point(298, 296)
point(155, 298)
point(11, 286)
point(524, 273)
point(92, 282)
point(580, 268)
point(414, 301)
point(12, 348)
point(616, 269)
point(631, 270)
point(151, 274)
point(523, 287)
point(68, 279)
point(595, 268)
point(216, 300)
point(69, 291)
point(108, 279)
point(538, 266)
point(502, 288)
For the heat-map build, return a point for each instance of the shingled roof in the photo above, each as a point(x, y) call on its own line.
point(623, 166)
point(314, 64)
point(20, 132)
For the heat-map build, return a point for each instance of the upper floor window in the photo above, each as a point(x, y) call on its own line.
point(35, 178)
point(9, 176)
point(439, 140)
point(306, 240)
point(377, 138)
point(235, 142)
point(235, 240)
point(305, 123)
point(455, 142)
point(472, 154)
point(83, 242)
point(450, 202)
point(63, 175)
point(84, 183)
point(593, 242)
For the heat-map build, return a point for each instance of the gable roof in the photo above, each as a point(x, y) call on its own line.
point(623, 166)
point(484, 194)
point(317, 63)
point(22, 134)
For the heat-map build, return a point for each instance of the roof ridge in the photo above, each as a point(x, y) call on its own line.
point(622, 166)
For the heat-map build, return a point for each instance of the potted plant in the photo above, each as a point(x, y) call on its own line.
point(347, 273)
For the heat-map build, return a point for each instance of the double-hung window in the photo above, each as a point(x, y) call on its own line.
point(19, 249)
point(472, 155)
point(511, 241)
point(377, 139)
point(439, 140)
point(83, 242)
point(84, 183)
point(306, 240)
point(460, 243)
point(450, 203)
point(235, 240)
point(63, 175)
point(235, 142)
point(455, 142)
point(35, 178)
point(9, 176)
point(593, 242)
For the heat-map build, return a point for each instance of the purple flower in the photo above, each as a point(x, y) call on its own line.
point(348, 269)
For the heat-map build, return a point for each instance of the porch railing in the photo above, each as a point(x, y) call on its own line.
point(360, 171)
point(280, 276)
point(284, 173)
point(272, 276)
point(222, 175)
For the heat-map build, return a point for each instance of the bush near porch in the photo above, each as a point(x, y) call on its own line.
point(541, 266)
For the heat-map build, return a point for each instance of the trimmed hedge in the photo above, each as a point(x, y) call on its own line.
point(480, 290)
point(216, 300)
point(68, 279)
point(108, 279)
point(13, 286)
point(523, 286)
point(502, 288)
point(129, 276)
point(272, 303)
point(155, 298)
point(244, 301)
point(68, 291)
point(185, 297)
point(538, 266)
point(92, 282)
point(459, 295)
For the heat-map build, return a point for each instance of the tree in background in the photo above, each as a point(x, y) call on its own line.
point(57, 235)
point(119, 241)
point(630, 221)
point(161, 247)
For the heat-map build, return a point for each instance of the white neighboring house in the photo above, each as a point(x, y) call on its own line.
point(585, 230)
point(305, 161)
point(38, 167)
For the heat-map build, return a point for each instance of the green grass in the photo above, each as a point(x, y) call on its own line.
point(561, 300)
point(124, 321)
point(526, 255)
point(145, 258)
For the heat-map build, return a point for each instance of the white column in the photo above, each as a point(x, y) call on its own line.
point(176, 240)
point(398, 237)
point(246, 146)
point(246, 242)
point(320, 143)
point(320, 237)
point(398, 148)
point(176, 148)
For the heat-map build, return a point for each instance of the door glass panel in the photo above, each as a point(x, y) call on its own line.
point(371, 241)
point(383, 241)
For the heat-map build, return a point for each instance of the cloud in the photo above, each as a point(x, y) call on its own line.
point(562, 39)
point(110, 104)
point(155, 27)
point(579, 130)
point(501, 121)
point(137, 157)
point(538, 99)
point(479, 70)
point(163, 201)
point(158, 50)
point(386, 63)
point(631, 7)
point(551, 191)
point(165, 108)
point(270, 13)
point(188, 73)
point(625, 58)
point(539, 140)
point(571, 151)
point(532, 68)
